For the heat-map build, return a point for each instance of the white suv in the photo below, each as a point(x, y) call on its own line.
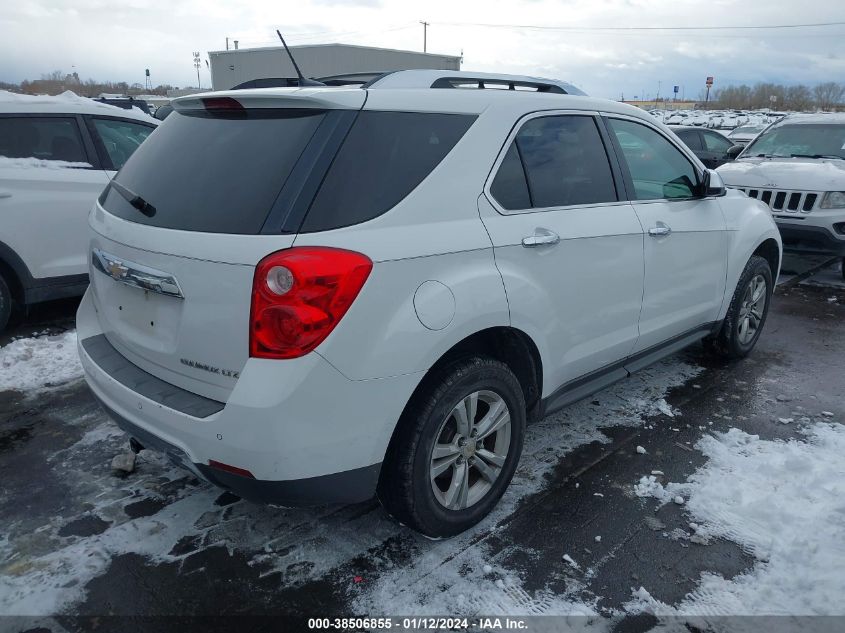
point(797, 168)
point(56, 156)
point(320, 294)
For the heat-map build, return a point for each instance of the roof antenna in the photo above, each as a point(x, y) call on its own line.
point(302, 81)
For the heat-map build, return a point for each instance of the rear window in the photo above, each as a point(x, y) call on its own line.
point(384, 157)
point(215, 174)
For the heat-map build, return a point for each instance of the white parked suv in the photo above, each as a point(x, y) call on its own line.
point(797, 168)
point(56, 156)
point(321, 294)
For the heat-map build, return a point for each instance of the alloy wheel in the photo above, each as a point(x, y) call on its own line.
point(753, 307)
point(470, 450)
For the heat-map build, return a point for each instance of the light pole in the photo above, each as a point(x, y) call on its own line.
point(197, 66)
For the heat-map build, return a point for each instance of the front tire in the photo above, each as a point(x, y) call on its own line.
point(455, 449)
point(747, 312)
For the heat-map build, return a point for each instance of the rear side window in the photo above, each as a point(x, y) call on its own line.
point(690, 138)
point(213, 173)
point(509, 187)
point(384, 157)
point(564, 163)
point(121, 138)
point(45, 138)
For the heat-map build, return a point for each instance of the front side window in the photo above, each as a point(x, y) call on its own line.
point(43, 138)
point(804, 139)
point(716, 142)
point(121, 138)
point(657, 168)
point(555, 161)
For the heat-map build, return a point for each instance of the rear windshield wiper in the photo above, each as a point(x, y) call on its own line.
point(817, 156)
point(134, 199)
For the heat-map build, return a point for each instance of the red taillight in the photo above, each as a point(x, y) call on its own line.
point(299, 295)
point(222, 104)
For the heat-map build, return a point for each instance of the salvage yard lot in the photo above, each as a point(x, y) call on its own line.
point(693, 489)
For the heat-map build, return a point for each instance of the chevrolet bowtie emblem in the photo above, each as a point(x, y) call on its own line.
point(117, 270)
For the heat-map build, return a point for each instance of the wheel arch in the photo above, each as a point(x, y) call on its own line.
point(15, 272)
point(507, 344)
point(769, 249)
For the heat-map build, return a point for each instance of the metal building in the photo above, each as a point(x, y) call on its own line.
point(233, 67)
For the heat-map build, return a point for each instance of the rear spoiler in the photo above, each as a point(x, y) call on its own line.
point(278, 97)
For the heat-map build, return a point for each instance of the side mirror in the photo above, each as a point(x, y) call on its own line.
point(734, 151)
point(712, 184)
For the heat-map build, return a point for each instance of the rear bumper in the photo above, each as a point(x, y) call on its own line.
point(347, 487)
point(809, 238)
point(305, 432)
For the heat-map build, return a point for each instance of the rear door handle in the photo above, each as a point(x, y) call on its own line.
point(659, 230)
point(5, 194)
point(541, 237)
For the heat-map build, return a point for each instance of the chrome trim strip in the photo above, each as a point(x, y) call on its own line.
point(136, 275)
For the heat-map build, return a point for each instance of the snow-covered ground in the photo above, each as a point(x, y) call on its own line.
point(781, 501)
point(784, 503)
point(42, 361)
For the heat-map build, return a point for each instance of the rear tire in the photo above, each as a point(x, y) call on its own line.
point(842, 266)
point(455, 449)
point(747, 312)
point(5, 303)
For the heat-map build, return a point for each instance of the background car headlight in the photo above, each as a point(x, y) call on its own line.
point(833, 200)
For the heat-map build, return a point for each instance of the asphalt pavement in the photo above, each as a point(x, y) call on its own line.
point(80, 540)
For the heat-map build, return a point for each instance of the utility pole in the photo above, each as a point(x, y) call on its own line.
point(425, 36)
point(197, 65)
point(227, 43)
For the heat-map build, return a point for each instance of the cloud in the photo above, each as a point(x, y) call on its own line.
point(117, 40)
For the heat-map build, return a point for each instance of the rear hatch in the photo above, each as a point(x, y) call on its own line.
point(177, 234)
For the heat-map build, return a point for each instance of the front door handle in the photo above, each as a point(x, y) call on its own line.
point(5, 194)
point(541, 237)
point(660, 230)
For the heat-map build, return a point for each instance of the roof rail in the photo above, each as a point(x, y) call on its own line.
point(480, 83)
point(468, 80)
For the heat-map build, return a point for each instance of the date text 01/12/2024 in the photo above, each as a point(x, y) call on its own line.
point(418, 624)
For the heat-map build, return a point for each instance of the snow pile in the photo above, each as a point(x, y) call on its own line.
point(67, 97)
point(70, 98)
point(648, 486)
point(5, 161)
point(783, 503)
point(32, 363)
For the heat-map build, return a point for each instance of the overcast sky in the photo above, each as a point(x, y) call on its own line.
point(117, 39)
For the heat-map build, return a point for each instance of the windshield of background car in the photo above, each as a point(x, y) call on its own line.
point(822, 139)
point(747, 129)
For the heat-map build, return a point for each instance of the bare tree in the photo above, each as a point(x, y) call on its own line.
point(798, 98)
point(829, 95)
